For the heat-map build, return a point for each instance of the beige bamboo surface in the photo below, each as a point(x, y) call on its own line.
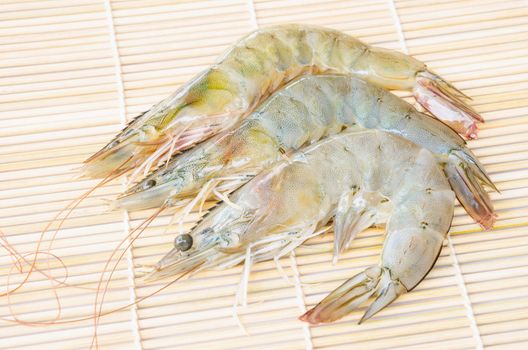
point(72, 72)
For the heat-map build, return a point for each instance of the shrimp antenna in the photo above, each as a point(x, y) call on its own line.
point(130, 239)
point(68, 209)
point(120, 308)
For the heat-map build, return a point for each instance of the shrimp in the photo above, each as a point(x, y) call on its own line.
point(304, 111)
point(359, 178)
point(251, 70)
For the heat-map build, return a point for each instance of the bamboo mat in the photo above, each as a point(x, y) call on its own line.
point(72, 72)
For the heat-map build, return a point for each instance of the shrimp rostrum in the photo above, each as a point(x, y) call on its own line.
point(305, 110)
point(252, 69)
point(359, 178)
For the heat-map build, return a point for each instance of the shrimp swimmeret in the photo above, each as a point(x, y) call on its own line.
point(359, 178)
point(252, 69)
point(308, 109)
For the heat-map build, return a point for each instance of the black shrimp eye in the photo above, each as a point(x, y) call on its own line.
point(149, 184)
point(183, 242)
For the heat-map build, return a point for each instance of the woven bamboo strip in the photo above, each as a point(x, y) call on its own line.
point(60, 103)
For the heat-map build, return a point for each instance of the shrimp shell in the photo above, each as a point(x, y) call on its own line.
point(385, 179)
point(304, 111)
point(251, 70)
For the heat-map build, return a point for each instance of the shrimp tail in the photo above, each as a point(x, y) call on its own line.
point(353, 293)
point(467, 177)
point(447, 103)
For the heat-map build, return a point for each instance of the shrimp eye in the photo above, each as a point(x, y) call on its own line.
point(149, 184)
point(183, 242)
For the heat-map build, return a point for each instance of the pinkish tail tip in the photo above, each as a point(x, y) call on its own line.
point(446, 103)
point(488, 221)
point(472, 132)
point(467, 178)
point(306, 317)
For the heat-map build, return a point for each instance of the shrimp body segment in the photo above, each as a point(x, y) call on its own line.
point(360, 178)
point(304, 111)
point(252, 69)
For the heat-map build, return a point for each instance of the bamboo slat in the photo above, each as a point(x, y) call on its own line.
point(73, 72)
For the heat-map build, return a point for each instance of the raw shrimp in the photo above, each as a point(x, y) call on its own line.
point(361, 178)
point(306, 110)
point(252, 69)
